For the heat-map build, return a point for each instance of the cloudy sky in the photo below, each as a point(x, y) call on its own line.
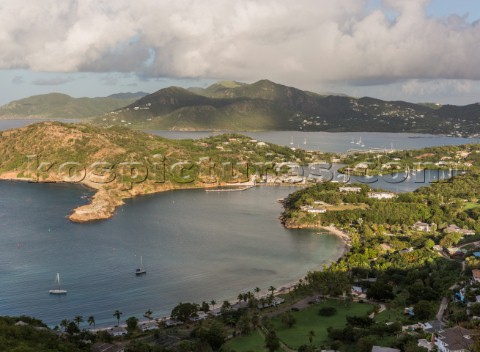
point(415, 50)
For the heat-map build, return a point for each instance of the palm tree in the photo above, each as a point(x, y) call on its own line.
point(78, 319)
point(117, 315)
point(240, 297)
point(91, 320)
point(257, 290)
point(213, 302)
point(272, 289)
point(311, 335)
point(64, 324)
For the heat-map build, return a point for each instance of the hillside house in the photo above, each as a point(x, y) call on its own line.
point(456, 339)
point(381, 195)
point(421, 226)
point(454, 228)
point(350, 189)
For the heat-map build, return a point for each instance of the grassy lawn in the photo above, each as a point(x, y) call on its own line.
point(393, 315)
point(253, 342)
point(309, 319)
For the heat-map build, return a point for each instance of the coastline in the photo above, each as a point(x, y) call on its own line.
point(282, 290)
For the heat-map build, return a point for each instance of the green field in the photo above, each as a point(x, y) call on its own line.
point(253, 342)
point(309, 319)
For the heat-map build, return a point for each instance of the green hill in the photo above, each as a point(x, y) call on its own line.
point(265, 105)
point(121, 163)
point(56, 105)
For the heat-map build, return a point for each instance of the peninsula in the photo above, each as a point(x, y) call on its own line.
point(119, 163)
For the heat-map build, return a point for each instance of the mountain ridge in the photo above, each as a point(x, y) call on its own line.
point(266, 105)
point(59, 105)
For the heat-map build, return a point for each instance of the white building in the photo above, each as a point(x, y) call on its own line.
point(350, 189)
point(381, 195)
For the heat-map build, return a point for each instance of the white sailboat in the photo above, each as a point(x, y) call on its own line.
point(57, 290)
point(142, 269)
point(291, 140)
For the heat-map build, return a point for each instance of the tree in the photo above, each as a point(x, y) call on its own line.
point(311, 335)
point(257, 290)
point(132, 323)
point(272, 290)
point(117, 315)
point(380, 291)
point(78, 319)
point(226, 306)
point(64, 324)
point(204, 307)
point(72, 328)
point(327, 311)
point(243, 325)
point(184, 311)
point(429, 244)
point(91, 320)
point(272, 342)
point(214, 335)
point(213, 302)
point(423, 310)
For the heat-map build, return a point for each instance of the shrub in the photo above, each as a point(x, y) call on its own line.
point(327, 311)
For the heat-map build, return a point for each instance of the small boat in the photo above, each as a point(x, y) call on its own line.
point(291, 140)
point(142, 269)
point(57, 290)
point(304, 141)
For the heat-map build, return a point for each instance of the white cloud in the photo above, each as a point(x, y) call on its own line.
point(302, 42)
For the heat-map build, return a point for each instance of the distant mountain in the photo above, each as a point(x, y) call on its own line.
point(265, 105)
point(56, 105)
point(136, 95)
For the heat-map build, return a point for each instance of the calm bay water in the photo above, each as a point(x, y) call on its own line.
point(196, 245)
point(336, 142)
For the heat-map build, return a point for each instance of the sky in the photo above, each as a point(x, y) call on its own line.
point(413, 50)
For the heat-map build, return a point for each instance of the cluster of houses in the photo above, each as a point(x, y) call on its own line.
point(424, 227)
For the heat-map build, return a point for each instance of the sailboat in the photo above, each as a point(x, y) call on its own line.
point(57, 290)
point(142, 269)
point(291, 140)
point(304, 141)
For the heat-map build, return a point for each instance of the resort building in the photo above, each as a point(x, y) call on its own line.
point(381, 195)
point(456, 339)
point(454, 228)
point(149, 326)
point(117, 331)
point(350, 189)
point(421, 226)
point(310, 209)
